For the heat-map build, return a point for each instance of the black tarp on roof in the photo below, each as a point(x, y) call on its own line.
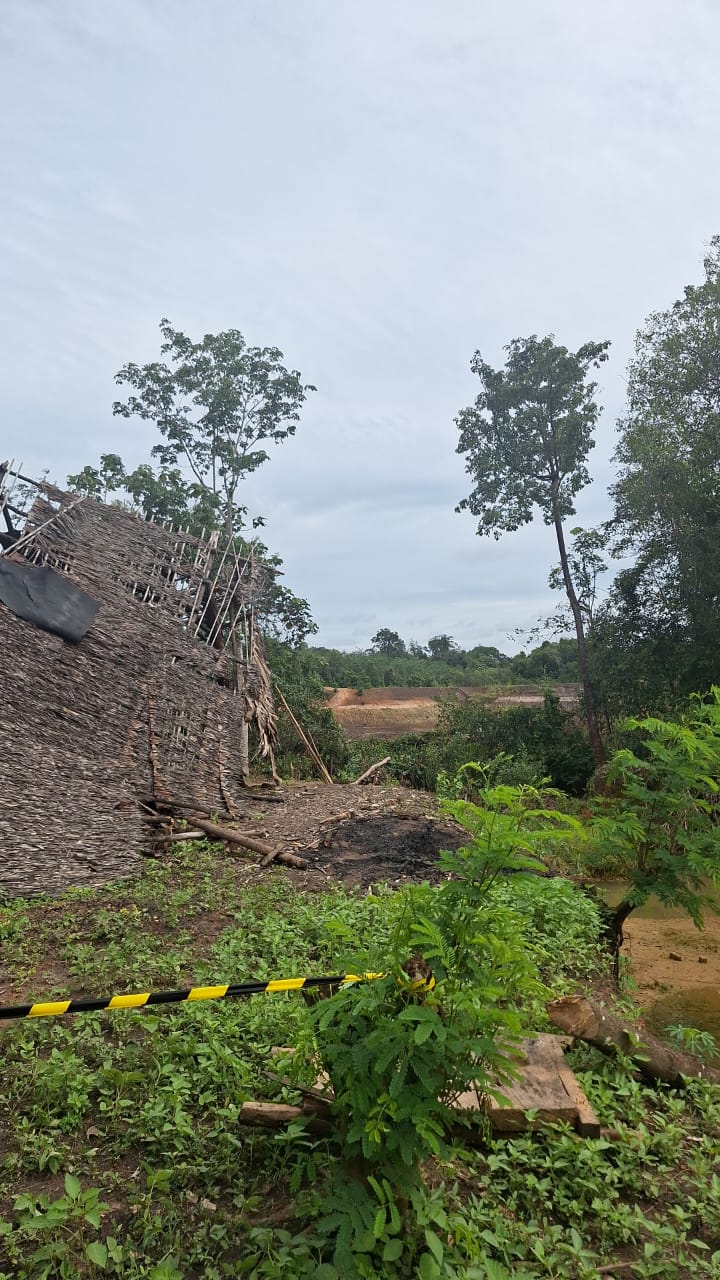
point(42, 596)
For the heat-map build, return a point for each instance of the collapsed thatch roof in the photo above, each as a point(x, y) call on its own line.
point(143, 708)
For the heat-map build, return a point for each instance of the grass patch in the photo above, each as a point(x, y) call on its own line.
point(122, 1152)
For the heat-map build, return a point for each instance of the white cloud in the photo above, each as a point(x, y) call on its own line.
point(377, 189)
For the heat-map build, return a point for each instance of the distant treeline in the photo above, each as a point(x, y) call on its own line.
point(390, 661)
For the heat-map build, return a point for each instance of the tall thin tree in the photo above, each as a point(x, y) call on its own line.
point(526, 440)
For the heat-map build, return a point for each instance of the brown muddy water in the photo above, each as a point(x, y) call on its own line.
point(675, 966)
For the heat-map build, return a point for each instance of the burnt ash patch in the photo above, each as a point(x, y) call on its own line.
point(386, 848)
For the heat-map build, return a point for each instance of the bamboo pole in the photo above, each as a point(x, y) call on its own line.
point(310, 745)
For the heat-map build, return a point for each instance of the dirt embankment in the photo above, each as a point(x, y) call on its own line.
point(397, 710)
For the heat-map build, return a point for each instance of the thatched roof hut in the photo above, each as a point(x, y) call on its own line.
point(131, 663)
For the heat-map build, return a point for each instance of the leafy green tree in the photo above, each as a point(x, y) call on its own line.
point(162, 495)
point(488, 658)
point(389, 643)
point(640, 651)
point(216, 403)
point(526, 440)
point(442, 648)
point(660, 824)
point(100, 482)
point(667, 495)
point(586, 563)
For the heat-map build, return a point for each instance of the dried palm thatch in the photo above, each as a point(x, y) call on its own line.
point(259, 706)
point(152, 704)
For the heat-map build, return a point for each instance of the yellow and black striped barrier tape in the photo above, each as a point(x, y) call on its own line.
point(142, 999)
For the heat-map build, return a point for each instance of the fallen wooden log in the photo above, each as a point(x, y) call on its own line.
point(290, 860)
point(374, 768)
point(277, 1115)
point(182, 835)
point(586, 1021)
point(249, 842)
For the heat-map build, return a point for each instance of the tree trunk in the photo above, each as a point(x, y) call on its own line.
point(619, 915)
point(587, 1021)
point(591, 718)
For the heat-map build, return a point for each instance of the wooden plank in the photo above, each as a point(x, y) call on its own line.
point(539, 1089)
point(469, 1101)
point(546, 1086)
point(587, 1123)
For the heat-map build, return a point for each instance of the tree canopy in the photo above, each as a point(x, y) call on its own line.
point(388, 642)
point(667, 495)
point(527, 437)
point(526, 440)
point(216, 403)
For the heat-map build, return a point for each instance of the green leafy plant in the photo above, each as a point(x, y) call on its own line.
point(445, 1014)
point(472, 779)
point(658, 823)
point(48, 1237)
point(702, 1043)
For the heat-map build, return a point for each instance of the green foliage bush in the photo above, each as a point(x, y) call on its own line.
point(556, 921)
point(305, 694)
point(523, 745)
point(458, 980)
point(548, 736)
point(657, 826)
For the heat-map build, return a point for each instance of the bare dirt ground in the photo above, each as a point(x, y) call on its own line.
point(357, 835)
point(648, 944)
point(397, 710)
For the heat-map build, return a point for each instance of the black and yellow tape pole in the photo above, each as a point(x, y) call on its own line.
point(142, 999)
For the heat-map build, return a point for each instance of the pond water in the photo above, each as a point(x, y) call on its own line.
point(687, 1007)
point(613, 891)
point(673, 992)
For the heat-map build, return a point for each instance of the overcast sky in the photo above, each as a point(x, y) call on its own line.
point(378, 187)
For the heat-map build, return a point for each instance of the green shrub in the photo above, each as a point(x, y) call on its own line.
point(445, 1013)
point(520, 744)
point(658, 825)
point(547, 738)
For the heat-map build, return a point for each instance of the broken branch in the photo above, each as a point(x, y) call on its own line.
point(374, 768)
point(309, 744)
point(249, 842)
